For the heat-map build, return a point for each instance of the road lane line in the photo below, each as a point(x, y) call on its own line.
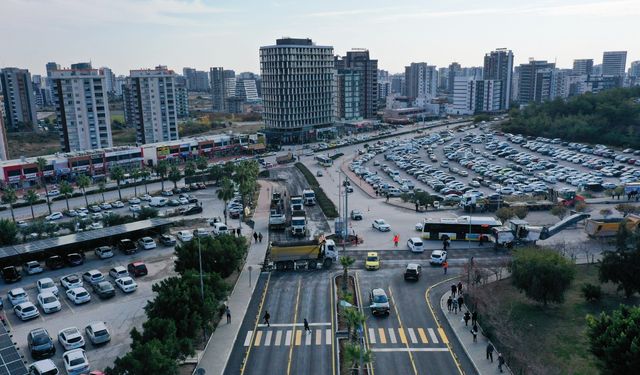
point(287, 339)
point(267, 338)
point(423, 336)
point(285, 325)
point(256, 342)
point(296, 333)
point(298, 337)
point(255, 327)
point(364, 323)
point(433, 336)
point(307, 338)
point(328, 339)
point(403, 337)
point(383, 337)
point(412, 336)
point(247, 340)
point(400, 329)
point(372, 336)
point(392, 336)
point(318, 336)
point(278, 338)
point(443, 335)
point(68, 305)
point(409, 350)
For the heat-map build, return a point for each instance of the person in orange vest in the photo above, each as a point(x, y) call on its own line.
point(445, 266)
point(396, 239)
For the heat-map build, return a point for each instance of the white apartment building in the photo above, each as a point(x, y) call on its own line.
point(4, 152)
point(150, 104)
point(82, 109)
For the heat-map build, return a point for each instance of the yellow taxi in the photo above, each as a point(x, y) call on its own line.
point(372, 262)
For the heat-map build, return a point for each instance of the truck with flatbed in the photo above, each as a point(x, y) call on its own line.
point(284, 159)
point(309, 254)
point(309, 197)
point(277, 214)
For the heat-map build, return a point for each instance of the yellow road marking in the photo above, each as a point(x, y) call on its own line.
point(413, 363)
point(443, 335)
point(295, 319)
point(255, 327)
point(383, 337)
point(423, 336)
point(298, 337)
point(403, 337)
point(256, 342)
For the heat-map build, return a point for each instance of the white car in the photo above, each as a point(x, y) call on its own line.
point(184, 235)
point(419, 227)
point(93, 276)
point(54, 216)
point(104, 252)
point(98, 333)
point(97, 216)
point(49, 302)
point(26, 311)
point(126, 284)
point(47, 285)
point(135, 208)
point(96, 225)
point(507, 190)
point(43, 367)
point(381, 225)
point(147, 243)
point(134, 200)
point(438, 257)
point(183, 200)
point(53, 193)
point(71, 281)
point(17, 296)
point(32, 267)
point(106, 206)
point(78, 295)
point(71, 338)
point(75, 362)
point(117, 204)
point(118, 272)
point(415, 244)
point(146, 197)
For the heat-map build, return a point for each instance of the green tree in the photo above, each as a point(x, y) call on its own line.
point(174, 176)
point(31, 198)
point(202, 163)
point(189, 170)
point(115, 219)
point(144, 175)
point(83, 181)
point(355, 354)
point(504, 214)
point(220, 254)
point(346, 262)
point(543, 274)
point(225, 194)
point(148, 357)
point(354, 319)
point(215, 173)
point(621, 266)
point(117, 174)
point(521, 212)
point(102, 187)
point(228, 169)
point(162, 168)
point(559, 210)
point(613, 340)
point(135, 174)
point(42, 163)
point(66, 190)
point(147, 213)
point(10, 197)
point(8, 232)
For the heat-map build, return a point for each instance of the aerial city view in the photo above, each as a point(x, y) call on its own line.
point(319, 188)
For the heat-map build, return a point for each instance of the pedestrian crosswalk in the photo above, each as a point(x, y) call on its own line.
point(318, 336)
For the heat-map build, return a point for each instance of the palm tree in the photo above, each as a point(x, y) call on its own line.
point(32, 198)
point(215, 173)
point(202, 163)
point(135, 174)
point(144, 175)
point(356, 355)
point(346, 262)
point(225, 193)
point(66, 189)
point(354, 319)
point(42, 163)
point(10, 197)
point(161, 169)
point(174, 176)
point(189, 170)
point(117, 174)
point(102, 187)
point(83, 181)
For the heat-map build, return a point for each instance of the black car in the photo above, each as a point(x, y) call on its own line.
point(75, 259)
point(104, 289)
point(11, 275)
point(127, 246)
point(192, 210)
point(167, 240)
point(412, 272)
point(40, 344)
point(54, 262)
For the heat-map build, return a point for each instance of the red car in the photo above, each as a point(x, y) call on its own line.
point(137, 269)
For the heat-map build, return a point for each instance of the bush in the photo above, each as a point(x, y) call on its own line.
point(264, 174)
point(591, 292)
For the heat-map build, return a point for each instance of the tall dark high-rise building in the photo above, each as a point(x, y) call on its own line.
point(216, 79)
point(498, 66)
point(359, 61)
point(535, 81)
point(19, 101)
point(614, 63)
point(453, 71)
point(421, 81)
point(583, 67)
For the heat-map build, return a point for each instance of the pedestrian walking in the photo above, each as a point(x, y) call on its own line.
point(459, 287)
point(453, 290)
point(455, 307)
point(475, 328)
point(445, 266)
point(387, 197)
point(475, 335)
point(449, 303)
point(490, 350)
point(460, 301)
point(500, 361)
point(238, 232)
point(306, 326)
point(228, 312)
point(396, 239)
point(266, 318)
point(255, 237)
point(474, 318)
point(466, 318)
point(444, 244)
point(260, 237)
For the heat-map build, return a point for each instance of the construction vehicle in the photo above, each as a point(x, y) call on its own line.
point(598, 228)
point(475, 203)
point(309, 197)
point(309, 254)
point(541, 205)
point(277, 214)
point(568, 198)
point(296, 204)
point(519, 232)
point(284, 159)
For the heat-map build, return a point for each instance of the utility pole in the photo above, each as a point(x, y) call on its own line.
point(346, 211)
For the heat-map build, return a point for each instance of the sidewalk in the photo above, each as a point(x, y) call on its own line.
point(216, 353)
point(475, 351)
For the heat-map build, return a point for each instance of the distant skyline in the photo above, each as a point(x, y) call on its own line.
point(134, 34)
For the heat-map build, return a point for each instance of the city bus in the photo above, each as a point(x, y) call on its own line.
point(460, 228)
point(324, 160)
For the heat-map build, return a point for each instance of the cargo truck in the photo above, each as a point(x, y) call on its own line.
point(277, 216)
point(597, 228)
point(309, 254)
point(309, 197)
point(284, 159)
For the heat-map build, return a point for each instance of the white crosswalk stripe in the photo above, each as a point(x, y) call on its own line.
point(392, 336)
point(328, 336)
point(278, 338)
point(433, 336)
point(318, 333)
point(247, 340)
point(372, 336)
point(287, 339)
point(267, 338)
point(412, 336)
point(307, 338)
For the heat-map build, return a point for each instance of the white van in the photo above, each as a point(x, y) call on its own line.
point(158, 202)
point(220, 228)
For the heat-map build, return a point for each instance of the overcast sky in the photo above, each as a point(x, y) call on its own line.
point(133, 34)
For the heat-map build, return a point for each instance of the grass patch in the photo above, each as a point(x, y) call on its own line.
point(327, 206)
point(124, 136)
point(539, 340)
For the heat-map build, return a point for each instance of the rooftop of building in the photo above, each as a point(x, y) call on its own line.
point(294, 42)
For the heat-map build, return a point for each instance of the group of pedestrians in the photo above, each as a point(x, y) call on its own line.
point(455, 304)
point(257, 237)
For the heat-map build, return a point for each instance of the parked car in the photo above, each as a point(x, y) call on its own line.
point(134, 200)
point(413, 271)
point(93, 276)
point(192, 210)
point(104, 252)
point(167, 193)
point(127, 246)
point(43, 367)
point(356, 215)
point(167, 240)
point(118, 272)
point(17, 296)
point(137, 269)
point(415, 244)
point(379, 302)
point(71, 281)
point(54, 216)
point(185, 235)
point(54, 262)
point(98, 333)
point(46, 284)
point(147, 243)
point(381, 225)
point(49, 302)
point(78, 295)
point(26, 311)
point(71, 338)
point(32, 267)
point(127, 284)
point(75, 259)
point(117, 204)
point(75, 362)
point(10, 274)
point(40, 344)
point(104, 289)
